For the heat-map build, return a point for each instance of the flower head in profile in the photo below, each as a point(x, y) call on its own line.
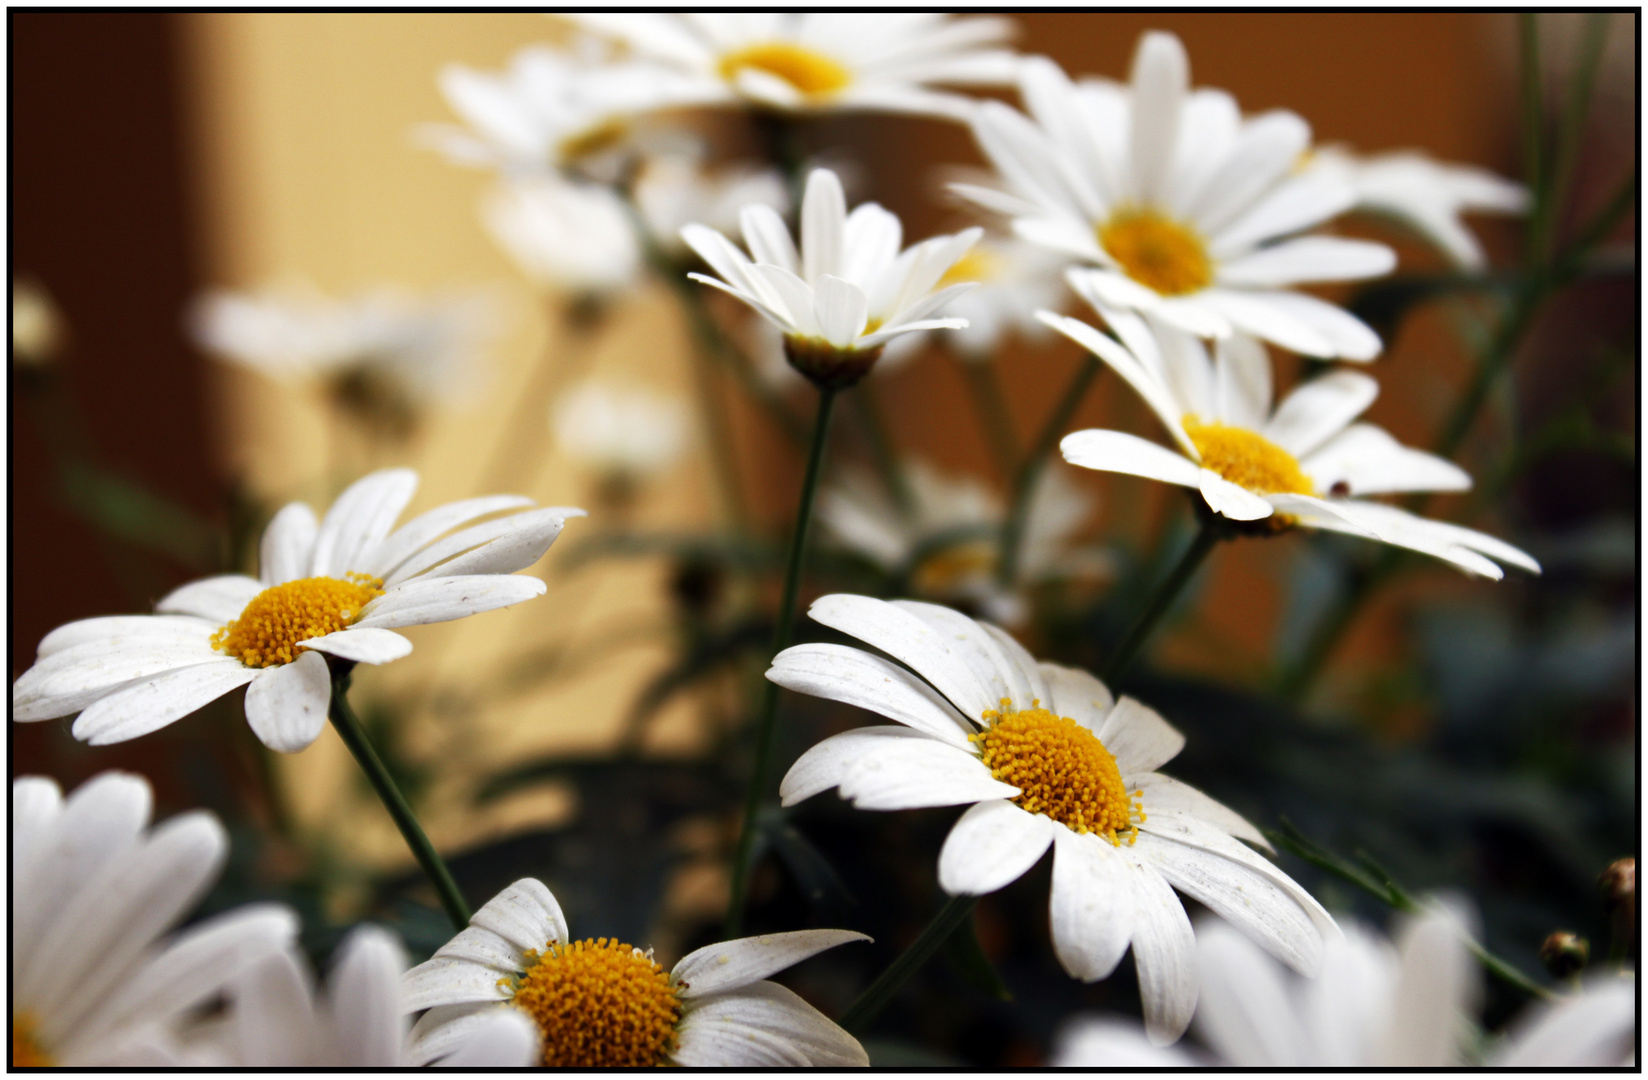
point(279, 1022)
point(814, 62)
point(94, 890)
point(1426, 195)
point(1042, 756)
point(599, 1003)
point(1182, 207)
point(628, 433)
point(846, 290)
point(1297, 463)
point(336, 587)
point(563, 234)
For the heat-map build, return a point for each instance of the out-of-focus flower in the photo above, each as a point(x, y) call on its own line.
point(1015, 280)
point(1426, 195)
point(1043, 756)
point(849, 289)
point(385, 352)
point(1296, 464)
point(278, 1021)
point(675, 190)
point(552, 109)
point(333, 587)
point(600, 1003)
point(629, 431)
point(823, 61)
point(1188, 210)
point(93, 890)
point(36, 324)
point(1372, 1006)
point(946, 544)
point(564, 235)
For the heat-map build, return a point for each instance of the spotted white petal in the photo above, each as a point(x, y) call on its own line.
point(526, 915)
point(728, 965)
point(855, 677)
point(422, 530)
point(905, 774)
point(442, 599)
point(991, 846)
point(116, 631)
point(359, 520)
point(365, 645)
point(287, 704)
point(764, 1009)
point(1139, 739)
point(1091, 905)
point(219, 599)
point(1164, 794)
point(499, 1039)
point(824, 765)
point(155, 702)
point(1164, 953)
point(906, 638)
point(979, 650)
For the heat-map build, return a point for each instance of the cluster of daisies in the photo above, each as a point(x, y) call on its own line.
point(1186, 228)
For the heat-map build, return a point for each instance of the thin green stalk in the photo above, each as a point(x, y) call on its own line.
point(1571, 134)
point(984, 382)
point(765, 727)
point(1161, 600)
point(1012, 532)
point(881, 450)
point(1534, 173)
point(354, 737)
point(910, 961)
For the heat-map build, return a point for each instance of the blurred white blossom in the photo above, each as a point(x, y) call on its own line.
point(564, 235)
point(616, 429)
point(674, 190)
point(1015, 280)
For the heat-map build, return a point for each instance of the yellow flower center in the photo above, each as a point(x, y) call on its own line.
point(1061, 769)
point(814, 75)
point(599, 1004)
point(26, 1051)
point(269, 629)
point(959, 563)
point(1248, 459)
point(977, 265)
point(1157, 252)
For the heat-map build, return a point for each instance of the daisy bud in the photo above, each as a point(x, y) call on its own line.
point(1619, 882)
point(1564, 954)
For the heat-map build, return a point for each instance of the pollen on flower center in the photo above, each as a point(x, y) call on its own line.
point(26, 1051)
point(598, 1004)
point(1248, 459)
point(955, 564)
point(1157, 251)
point(816, 76)
point(1061, 769)
point(269, 629)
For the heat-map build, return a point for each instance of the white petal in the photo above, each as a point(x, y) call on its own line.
point(287, 705)
point(855, 677)
point(1014, 654)
point(526, 915)
point(359, 521)
point(1246, 1013)
point(1138, 737)
point(478, 944)
point(728, 965)
point(1166, 795)
point(1348, 337)
point(1365, 460)
point(990, 846)
point(1077, 694)
point(364, 995)
point(824, 764)
point(275, 1022)
point(1117, 451)
point(219, 599)
point(1146, 384)
point(1294, 204)
point(906, 638)
point(1595, 1028)
point(823, 225)
point(1308, 259)
point(36, 804)
point(441, 981)
point(1242, 383)
point(73, 679)
point(1161, 79)
point(1266, 148)
point(503, 1039)
point(1253, 313)
point(433, 600)
point(1088, 1042)
point(1232, 500)
point(443, 1029)
point(154, 703)
point(979, 650)
point(115, 630)
point(1164, 952)
point(288, 544)
point(1436, 982)
point(905, 774)
point(775, 1011)
point(842, 310)
point(791, 296)
point(1091, 905)
point(422, 530)
point(514, 542)
point(767, 237)
point(1320, 409)
point(365, 645)
point(707, 1039)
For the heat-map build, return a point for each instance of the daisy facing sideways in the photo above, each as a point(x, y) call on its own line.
point(1299, 463)
point(336, 587)
point(1184, 209)
point(94, 889)
point(847, 290)
point(814, 62)
point(599, 1003)
point(1042, 756)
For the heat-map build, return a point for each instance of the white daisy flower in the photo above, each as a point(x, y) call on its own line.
point(94, 982)
point(1298, 463)
point(627, 431)
point(564, 235)
point(1042, 756)
point(1015, 279)
point(1373, 1006)
point(1426, 195)
point(420, 349)
point(335, 587)
point(675, 190)
point(601, 1003)
point(37, 329)
point(812, 62)
point(1187, 210)
point(952, 531)
point(847, 291)
point(279, 1022)
point(576, 109)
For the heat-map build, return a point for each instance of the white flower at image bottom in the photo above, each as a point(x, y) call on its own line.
point(337, 587)
point(600, 1003)
point(1298, 463)
point(94, 983)
point(1042, 756)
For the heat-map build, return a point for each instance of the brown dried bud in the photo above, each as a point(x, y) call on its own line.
point(1564, 954)
point(827, 366)
point(1619, 882)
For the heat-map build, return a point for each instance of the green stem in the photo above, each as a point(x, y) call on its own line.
point(782, 629)
point(1161, 600)
point(1534, 172)
point(1571, 134)
point(984, 382)
point(354, 737)
point(910, 961)
point(1012, 531)
point(881, 449)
